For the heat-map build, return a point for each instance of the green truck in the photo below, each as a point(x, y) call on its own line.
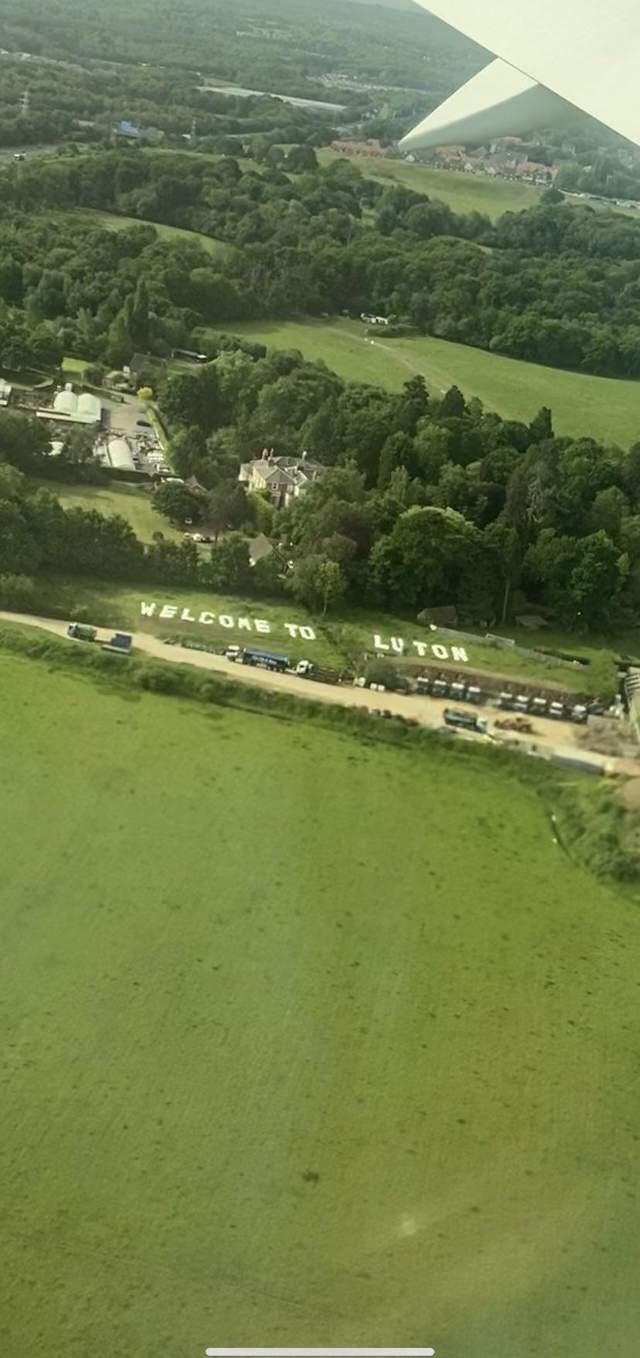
point(81, 632)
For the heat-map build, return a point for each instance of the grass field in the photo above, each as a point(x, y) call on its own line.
point(306, 1039)
point(604, 408)
point(131, 502)
point(113, 222)
point(463, 192)
point(340, 638)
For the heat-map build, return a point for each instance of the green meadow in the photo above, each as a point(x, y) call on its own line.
point(112, 221)
point(463, 193)
point(131, 502)
point(598, 407)
point(307, 1039)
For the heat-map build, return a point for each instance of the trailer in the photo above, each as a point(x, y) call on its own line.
point(539, 707)
point(119, 644)
point(265, 660)
point(579, 714)
point(81, 632)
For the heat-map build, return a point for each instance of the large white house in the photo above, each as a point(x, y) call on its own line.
point(282, 478)
point(553, 57)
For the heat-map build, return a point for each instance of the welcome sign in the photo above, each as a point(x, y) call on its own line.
point(297, 631)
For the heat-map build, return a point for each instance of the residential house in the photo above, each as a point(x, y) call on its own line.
point(282, 478)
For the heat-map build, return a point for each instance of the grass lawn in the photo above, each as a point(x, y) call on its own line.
point(75, 367)
point(340, 637)
point(464, 193)
point(113, 222)
point(305, 1036)
point(131, 502)
point(604, 408)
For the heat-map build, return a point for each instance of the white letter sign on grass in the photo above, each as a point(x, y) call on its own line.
point(299, 631)
point(425, 649)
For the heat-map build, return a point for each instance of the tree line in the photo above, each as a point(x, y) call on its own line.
point(553, 284)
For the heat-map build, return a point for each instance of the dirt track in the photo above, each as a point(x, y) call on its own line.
point(427, 711)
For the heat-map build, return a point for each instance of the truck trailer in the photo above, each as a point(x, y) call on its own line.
point(464, 721)
point(265, 660)
point(119, 644)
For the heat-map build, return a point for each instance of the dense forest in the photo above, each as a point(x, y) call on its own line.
point(284, 46)
point(428, 501)
point(78, 105)
point(423, 502)
point(554, 284)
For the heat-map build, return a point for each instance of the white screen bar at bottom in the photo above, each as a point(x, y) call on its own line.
point(319, 1353)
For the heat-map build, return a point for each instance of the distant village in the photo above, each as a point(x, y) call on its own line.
point(506, 159)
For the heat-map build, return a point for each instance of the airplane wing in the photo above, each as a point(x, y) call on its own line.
point(584, 51)
point(498, 101)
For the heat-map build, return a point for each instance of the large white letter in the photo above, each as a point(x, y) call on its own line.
point(397, 645)
point(186, 615)
point(440, 651)
point(225, 620)
point(168, 611)
point(244, 625)
point(291, 628)
point(206, 617)
point(261, 625)
point(459, 653)
point(147, 610)
point(379, 644)
point(307, 634)
point(421, 647)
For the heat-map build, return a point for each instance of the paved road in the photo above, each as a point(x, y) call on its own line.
point(427, 711)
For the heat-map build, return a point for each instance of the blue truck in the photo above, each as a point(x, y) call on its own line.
point(119, 644)
point(265, 660)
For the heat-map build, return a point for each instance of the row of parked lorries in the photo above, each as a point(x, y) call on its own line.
point(524, 703)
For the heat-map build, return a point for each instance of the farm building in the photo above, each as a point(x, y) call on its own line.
point(69, 408)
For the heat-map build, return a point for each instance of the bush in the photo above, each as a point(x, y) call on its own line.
point(17, 591)
point(382, 672)
point(158, 679)
point(80, 613)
